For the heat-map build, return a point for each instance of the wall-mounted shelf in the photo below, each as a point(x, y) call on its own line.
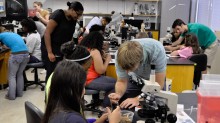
point(142, 15)
point(135, 0)
point(126, 15)
point(144, 0)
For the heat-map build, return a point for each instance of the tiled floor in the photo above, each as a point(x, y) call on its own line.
point(13, 111)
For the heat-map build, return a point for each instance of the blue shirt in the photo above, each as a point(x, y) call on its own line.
point(154, 53)
point(13, 41)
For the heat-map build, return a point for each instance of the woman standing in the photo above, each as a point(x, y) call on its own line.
point(42, 14)
point(17, 62)
point(60, 29)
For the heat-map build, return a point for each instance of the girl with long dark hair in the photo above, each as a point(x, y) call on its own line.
point(190, 47)
point(95, 80)
point(66, 92)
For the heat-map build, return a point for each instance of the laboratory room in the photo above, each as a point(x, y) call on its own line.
point(109, 61)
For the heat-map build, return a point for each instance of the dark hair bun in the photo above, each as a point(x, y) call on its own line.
point(68, 4)
point(67, 48)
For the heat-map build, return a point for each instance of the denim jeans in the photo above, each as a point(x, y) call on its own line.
point(17, 64)
point(103, 83)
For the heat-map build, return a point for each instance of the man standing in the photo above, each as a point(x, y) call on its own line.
point(206, 37)
point(98, 21)
point(134, 58)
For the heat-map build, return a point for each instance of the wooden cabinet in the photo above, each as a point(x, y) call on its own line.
point(4, 56)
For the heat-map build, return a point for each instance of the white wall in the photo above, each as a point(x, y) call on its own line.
point(208, 13)
point(30, 2)
point(123, 6)
point(90, 6)
point(193, 11)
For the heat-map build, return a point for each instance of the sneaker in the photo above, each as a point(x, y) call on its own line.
point(7, 97)
point(43, 71)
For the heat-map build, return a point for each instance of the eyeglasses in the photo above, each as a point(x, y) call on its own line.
point(78, 14)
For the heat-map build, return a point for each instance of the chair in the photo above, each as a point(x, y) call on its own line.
point(95, 102)
point(150, 34)
point(33, 114)
point(36, 79)
point(201, 64)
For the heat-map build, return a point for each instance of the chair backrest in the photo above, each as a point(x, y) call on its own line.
point(150, 35)
point(201, 64)
point(33, 114)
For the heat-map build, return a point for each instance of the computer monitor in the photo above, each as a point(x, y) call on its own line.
point(135, 23)
point(16, 9)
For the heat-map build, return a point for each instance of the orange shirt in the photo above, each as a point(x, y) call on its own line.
point(91, 74)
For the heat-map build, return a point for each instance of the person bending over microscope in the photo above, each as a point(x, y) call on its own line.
point(133, 62)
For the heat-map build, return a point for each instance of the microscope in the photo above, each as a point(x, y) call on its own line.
point(167, 38)
point(158, 106)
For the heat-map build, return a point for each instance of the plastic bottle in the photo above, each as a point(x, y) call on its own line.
point(152, 73)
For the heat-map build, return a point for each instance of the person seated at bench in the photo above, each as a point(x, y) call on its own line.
point(95, 80)
point(33, 40)
point(190, 47)
point(71, 52)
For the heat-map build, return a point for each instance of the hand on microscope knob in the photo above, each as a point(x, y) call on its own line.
point(130, 103)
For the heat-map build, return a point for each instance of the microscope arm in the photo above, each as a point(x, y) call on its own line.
point(172, 100)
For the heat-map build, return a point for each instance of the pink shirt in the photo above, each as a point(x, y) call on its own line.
point(185, 52)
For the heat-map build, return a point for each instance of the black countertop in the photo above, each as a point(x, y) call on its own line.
point(170, 61)
point(179, 61)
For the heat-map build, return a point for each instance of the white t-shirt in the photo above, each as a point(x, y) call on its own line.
point(94, 21)
point(33, 42)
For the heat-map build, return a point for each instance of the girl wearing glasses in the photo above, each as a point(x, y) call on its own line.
point(59, 30)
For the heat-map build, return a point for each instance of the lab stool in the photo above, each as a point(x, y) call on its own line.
point(36, 81)
point(95, 102)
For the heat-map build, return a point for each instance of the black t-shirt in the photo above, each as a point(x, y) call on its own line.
point(62, 33)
